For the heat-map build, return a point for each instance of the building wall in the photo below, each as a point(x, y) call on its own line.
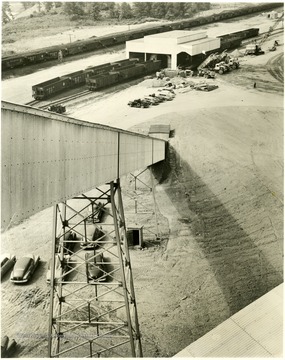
point(206, 46)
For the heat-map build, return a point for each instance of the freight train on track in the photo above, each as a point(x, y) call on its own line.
point(97, 43)
point(96, 77)
point(109, 74)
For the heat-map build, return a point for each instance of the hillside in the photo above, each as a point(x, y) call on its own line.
point(32, 29)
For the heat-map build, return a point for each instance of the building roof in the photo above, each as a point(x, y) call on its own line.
point(176, 34)
point(159, 128)
point(255, 331)
point(174, 42)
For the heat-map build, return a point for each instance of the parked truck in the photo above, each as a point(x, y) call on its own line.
point(253, 49)
point(220, 63)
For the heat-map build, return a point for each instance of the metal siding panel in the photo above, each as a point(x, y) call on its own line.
point(47, 158)
point(135, 153)
point(128, 157)
point(5, 165)
point(158, 150)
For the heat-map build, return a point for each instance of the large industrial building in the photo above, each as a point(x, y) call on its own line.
point(173, 48)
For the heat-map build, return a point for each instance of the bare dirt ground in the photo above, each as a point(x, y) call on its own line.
point(220, 217)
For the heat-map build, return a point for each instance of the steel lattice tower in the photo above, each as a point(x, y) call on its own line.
point(92, 318)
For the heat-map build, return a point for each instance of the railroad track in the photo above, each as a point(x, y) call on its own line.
point(260, 36)
point(66, 99)
point(59, 101)
point(32, 103)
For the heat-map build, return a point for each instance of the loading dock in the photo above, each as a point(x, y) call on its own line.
point(173, 48)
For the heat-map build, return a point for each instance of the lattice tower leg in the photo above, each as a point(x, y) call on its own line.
point(93, 310)
point(146, 212)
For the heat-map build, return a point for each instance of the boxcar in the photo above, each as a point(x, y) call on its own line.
point(34, 58)
point(50, 87)
point(132, 71)
point(77, 78)
point(152, 66)
point(10, 62)
point(103, 80)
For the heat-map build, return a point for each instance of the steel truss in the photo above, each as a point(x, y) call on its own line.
point(92, 316)
point(141, 189)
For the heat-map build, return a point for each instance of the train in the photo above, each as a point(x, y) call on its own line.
point(234, 40)
point(96, 77)
point(109, 74)
point(96, 43)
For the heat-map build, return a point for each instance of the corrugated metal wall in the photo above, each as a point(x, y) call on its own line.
point(48, 158)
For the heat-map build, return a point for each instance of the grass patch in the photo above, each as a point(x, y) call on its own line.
point(36, 26)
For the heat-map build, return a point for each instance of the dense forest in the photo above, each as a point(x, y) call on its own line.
point(111, 10)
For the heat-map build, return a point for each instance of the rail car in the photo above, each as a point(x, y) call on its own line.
point(122, 74)
point(234, 40)
point(103, 75)
point(96, 43)
point(54, 86)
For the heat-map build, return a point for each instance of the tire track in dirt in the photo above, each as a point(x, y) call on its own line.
point(275, 66)
point(224, 242)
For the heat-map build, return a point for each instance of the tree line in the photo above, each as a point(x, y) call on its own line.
point(114, 10)
point(135, 10)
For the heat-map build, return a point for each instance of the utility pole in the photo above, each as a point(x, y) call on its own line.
point(70, 35)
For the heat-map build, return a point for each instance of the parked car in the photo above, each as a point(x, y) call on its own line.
point(92, 243)
point(166, 94)
point(68, 245)
point(60, 109)
point(24, 268)
point(139, 103)
point(60, 268)
point(97, 212)
point(95, 269)
point(158, 99)
point(151, 100)
point(7, 262)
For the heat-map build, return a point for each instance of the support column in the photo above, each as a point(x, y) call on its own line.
point(93, 307)
point(142, 192)
point(173, 61)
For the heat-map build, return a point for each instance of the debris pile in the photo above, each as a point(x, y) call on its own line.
point(164, 94)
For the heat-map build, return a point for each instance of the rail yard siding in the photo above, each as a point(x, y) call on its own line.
point(78, 47)
point(48, 158)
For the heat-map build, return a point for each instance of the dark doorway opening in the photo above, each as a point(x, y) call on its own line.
point(135, 237)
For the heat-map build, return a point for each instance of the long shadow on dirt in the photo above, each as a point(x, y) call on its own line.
point(243, 272)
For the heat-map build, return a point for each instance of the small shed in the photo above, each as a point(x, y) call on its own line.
point(273, 15)
point(161, 131)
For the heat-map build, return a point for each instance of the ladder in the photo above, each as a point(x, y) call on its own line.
point(93, 310)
